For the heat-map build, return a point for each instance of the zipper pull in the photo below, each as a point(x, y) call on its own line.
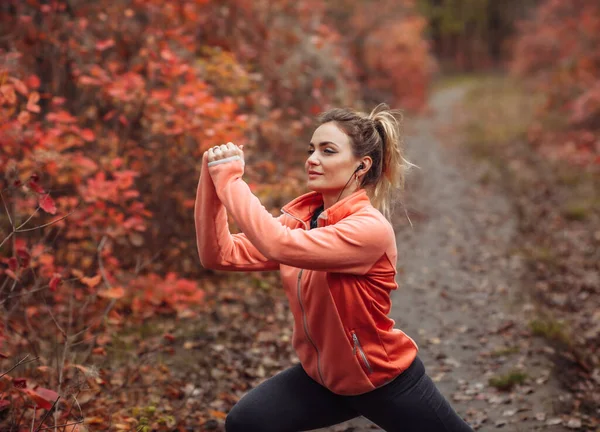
point(354, 338)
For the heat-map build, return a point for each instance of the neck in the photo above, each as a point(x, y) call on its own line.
point(330, 199)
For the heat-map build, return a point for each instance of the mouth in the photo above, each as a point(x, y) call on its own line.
point(313, 174)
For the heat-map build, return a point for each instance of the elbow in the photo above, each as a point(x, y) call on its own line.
point(206, 264)
point(207, 259)
point(211, 264)
point(271, 253)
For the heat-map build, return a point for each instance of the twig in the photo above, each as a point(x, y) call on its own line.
point(71, 407)
point(4, 241)
point(19, 363)
point(65, 350)
point(47, 414)
point(30, 291)
point(54, 319)
point(33, 418)
point(32, 215)
point(7, 212)
point(49, 223)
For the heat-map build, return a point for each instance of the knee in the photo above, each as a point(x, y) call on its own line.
point(233, 421)
point(243, 420)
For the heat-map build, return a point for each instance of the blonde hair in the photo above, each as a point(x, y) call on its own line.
point(378, 135)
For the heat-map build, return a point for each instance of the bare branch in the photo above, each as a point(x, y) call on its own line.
point(4, 241)
point(19, 363)
point(54, 319)
point(33, 418)
point(29, 218)
point(7, 211)
point(49, 223)
point(46, 416)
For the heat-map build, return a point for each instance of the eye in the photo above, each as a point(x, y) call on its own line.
point(329, 151)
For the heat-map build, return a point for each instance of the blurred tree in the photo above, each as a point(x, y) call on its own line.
point(386, 40)
point(473, 34)
point(559, 49)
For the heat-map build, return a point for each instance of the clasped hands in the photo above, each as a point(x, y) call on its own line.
point(224, 151)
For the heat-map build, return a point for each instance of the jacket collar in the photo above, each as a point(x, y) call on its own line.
point(305, 205)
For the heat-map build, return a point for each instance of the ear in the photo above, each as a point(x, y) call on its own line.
point(366, 162)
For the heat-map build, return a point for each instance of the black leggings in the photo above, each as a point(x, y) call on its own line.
point(292, 401)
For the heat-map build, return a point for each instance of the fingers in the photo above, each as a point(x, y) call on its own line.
point(223, 151)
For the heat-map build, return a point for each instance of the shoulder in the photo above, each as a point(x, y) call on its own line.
point(373, 223)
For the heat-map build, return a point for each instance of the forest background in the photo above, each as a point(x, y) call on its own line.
point(105, 110)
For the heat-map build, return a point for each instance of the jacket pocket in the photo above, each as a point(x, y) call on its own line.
point(359, 351)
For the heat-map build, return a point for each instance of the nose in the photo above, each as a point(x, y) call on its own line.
point(313, 158)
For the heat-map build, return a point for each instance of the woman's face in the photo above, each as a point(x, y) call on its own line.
point(330, 155)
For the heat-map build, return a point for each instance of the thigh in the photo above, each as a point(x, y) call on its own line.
point(413, 406)
point(289, 401)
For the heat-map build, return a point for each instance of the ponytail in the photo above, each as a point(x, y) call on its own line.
point(389, 124)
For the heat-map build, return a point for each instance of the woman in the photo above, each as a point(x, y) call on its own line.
point(336, 252)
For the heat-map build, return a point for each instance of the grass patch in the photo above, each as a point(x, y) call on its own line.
point(578, 210)
point(549, 329)
point(504, 351)
point(509, 380)
point(447, 81)
point(496, 111)
point(541, 254)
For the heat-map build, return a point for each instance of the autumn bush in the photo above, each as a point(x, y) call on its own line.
point(557, 49)
point(105, 110)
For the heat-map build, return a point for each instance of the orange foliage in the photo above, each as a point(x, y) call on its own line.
point(559, 48)
point(105, 110)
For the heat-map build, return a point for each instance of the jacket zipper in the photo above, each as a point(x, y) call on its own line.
point(360, 350)
point(304, 320)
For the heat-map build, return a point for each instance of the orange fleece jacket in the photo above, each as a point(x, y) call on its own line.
point(337, 277)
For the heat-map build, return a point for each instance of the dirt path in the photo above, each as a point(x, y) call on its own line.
point(459, 294)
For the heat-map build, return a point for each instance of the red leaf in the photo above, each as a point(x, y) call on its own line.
point(20, 382)
point(32, 105)
point(19, 86)
point(35, 186)
point(109, 115)
point(61, 117)
point(24, 117)
point(33, 81)
point(12, 263)
point(42, 397)
point(47, 204)
point(105, 44)
point(112, 293)
point(11, 274)
point(99, 351)
point(86, 80)
point(91, 282)
point(47, 394)
point(24, 256)
point(54, 282)
point(88, 135)
point(4, 404)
